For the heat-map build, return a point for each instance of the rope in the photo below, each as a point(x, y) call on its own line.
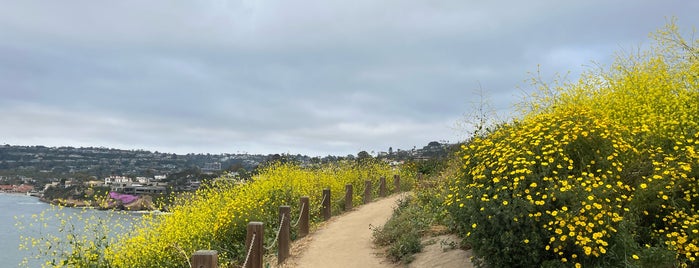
point(322, 202)
point(299, 219)
point(252, 243)
point(278, 231)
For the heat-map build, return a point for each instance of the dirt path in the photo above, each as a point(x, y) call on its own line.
point(345, 241)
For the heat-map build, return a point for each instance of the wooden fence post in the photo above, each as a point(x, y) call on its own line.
point(367, 192)
point(396, 182)
point(348, 197)
point(255, 246)
point(326, 204)
point(205, 259)
point(304, 217)
point(382, 186)
point(284, 238)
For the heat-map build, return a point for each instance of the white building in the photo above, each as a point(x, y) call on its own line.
point(118, 180)
point(142, 180)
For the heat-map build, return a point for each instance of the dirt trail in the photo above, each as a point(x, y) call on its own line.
point(345, 241)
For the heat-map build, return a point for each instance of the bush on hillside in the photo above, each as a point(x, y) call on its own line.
point(599, 173)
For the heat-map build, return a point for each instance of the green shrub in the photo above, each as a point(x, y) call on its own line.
point(403, 231)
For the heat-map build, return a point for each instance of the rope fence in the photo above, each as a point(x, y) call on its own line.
point(278, 231)
point(255, 248)
point(320, 205)
point(247, 257)
point(303, 205)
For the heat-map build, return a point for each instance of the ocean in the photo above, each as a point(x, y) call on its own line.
point(13, 206)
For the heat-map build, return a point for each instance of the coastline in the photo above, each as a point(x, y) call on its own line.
point(143, 203)
point(15, 193)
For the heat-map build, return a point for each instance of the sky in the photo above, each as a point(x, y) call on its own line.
point(299, 77)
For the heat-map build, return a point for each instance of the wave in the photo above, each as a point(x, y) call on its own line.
point(29, 203)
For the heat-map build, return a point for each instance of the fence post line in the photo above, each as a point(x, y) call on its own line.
point(326, 204)
point(367, 191)
point(284, 237)
point(205, 259)
point(396, 182)
point(382, 186)
point(257, 230)
point(348, 197)
point(305, 217)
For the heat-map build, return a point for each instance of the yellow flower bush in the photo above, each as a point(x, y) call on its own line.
point(216, 216)
point(602, 172)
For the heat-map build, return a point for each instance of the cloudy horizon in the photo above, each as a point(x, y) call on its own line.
point(309, 77)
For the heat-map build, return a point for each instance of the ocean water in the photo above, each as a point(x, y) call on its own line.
point(13, 206)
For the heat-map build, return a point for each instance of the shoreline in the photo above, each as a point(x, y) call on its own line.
point(20, 194)
point(15, 193)
point(142, 205)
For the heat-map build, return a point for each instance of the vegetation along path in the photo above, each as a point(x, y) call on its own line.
point(345, 241)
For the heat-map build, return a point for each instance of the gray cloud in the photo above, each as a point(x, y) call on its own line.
point(311, 77)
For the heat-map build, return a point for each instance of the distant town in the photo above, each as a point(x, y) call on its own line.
point(39, 170)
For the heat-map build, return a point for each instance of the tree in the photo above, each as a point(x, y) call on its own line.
point(363, 155)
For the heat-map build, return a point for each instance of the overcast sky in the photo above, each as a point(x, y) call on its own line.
point(310, 77)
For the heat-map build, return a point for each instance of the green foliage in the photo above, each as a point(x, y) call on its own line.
point(403, 231)
point(63, 192)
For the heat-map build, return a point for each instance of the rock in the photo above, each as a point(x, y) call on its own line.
point(142, 203)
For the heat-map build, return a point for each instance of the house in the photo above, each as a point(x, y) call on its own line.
point(117, 180)
point(142, 180)
point(6, 188)
point(49, 185)
point(139, 190)
point(24, 188)
point(95, 183)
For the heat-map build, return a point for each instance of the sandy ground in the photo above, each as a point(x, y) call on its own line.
point(442, 251)
point(345, 241)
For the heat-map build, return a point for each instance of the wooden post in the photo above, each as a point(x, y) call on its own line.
point(326, 204)
point(348, 197)
point(419, 176)
point(284, 235)
point(257, 230)
point(382, 186)
point(396, 182)
point(305, 217)
point(205, 259)
point(367, 192)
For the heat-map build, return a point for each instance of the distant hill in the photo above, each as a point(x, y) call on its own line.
point(68, 162)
